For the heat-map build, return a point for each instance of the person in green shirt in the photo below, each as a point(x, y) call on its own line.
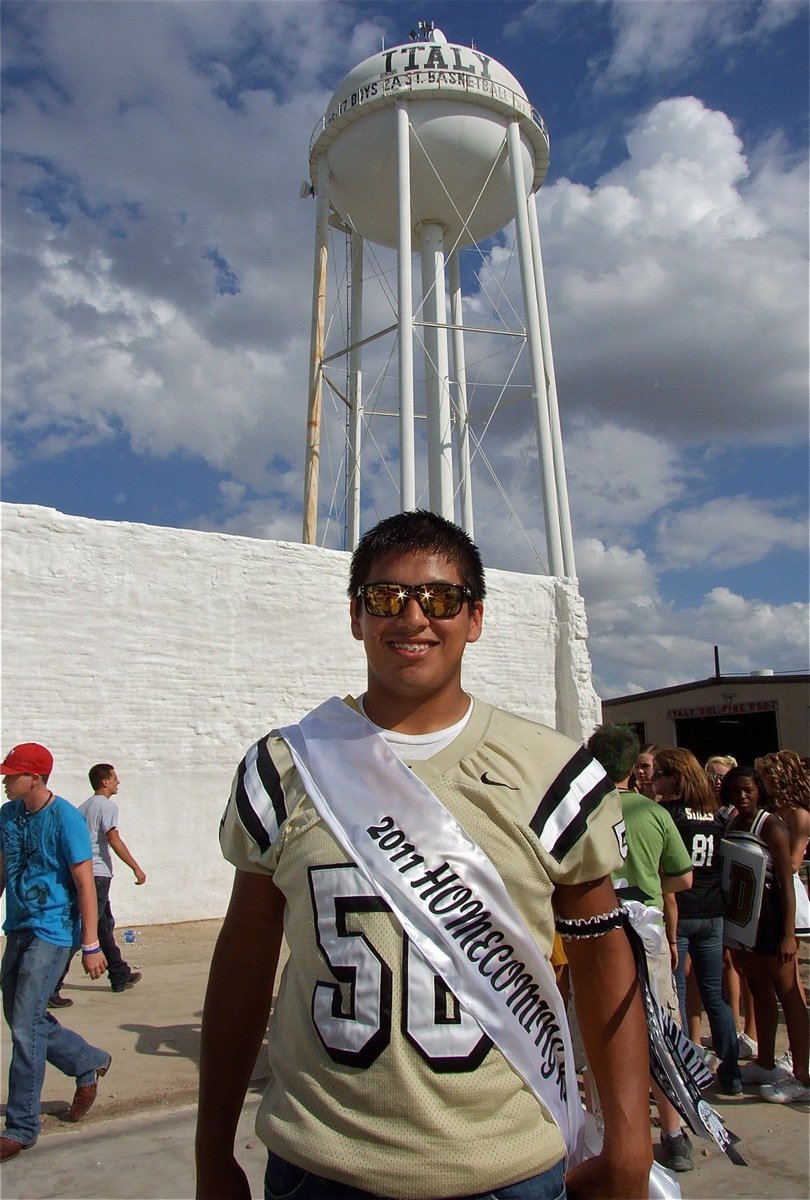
point(657, 864)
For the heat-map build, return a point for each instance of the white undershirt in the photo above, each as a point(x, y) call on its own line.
point(417, 746)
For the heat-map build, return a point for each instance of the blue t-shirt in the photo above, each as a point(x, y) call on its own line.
point(39, 849)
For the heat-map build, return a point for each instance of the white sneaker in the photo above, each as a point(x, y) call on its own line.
point(789, 1090)
point(710, 1060)
point(746, 1047)
point(785, 1061)
point(752, 1072)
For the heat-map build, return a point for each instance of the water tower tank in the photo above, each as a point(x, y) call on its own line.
point(426, 148)
point(459, 103)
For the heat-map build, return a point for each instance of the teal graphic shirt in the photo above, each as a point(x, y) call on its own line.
point(39, 849)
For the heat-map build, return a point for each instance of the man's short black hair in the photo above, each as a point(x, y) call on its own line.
point(99, 773)
point(615, 747)
point(419, 532)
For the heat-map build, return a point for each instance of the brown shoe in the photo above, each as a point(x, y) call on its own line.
point(85, 1096)
point(10, 1147)
point(134, 977)
point(59, 1001)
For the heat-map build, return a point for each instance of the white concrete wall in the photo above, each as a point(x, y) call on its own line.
point(167, 652)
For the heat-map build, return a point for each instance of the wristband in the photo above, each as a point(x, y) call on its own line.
point(94, 949)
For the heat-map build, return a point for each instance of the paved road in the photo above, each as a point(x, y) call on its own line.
point(149, 1156)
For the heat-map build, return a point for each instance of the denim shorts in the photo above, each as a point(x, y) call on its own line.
point(283, 1181)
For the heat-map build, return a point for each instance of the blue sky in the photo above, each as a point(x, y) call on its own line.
point(157, 286)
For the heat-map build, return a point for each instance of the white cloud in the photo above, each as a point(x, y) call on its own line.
point(677, 287)
point(683, 167)
point(618, 478)
point(730, 531)
point(90, 351)
point(232, 493)
point(619, 586)
point(657, 37)
point(265, 519)
point(639, 641)
point(669, 284)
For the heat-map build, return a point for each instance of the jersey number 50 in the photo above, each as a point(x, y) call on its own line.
point(353, 1016)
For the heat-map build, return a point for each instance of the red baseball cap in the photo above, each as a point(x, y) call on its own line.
point(29, 758)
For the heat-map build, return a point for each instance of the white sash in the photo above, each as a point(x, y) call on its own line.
point(446, 894)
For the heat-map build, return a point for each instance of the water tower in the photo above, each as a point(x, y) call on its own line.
point(428, 148)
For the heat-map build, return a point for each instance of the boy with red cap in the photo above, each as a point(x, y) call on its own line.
point(46, 871)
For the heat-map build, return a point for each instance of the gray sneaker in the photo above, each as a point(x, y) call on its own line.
point(787, 1091)
point(677, 1151)
point(752, 1072)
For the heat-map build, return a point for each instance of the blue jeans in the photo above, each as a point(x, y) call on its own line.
point(283, 1181)
point(702, 939)
point(28, 975)
point(118, 970)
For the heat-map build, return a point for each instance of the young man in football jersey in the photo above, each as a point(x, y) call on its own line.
point(383, 1084)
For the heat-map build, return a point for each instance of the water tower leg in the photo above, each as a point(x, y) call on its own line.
point(551, 511)
point(355, 394)
point(553, 406)
point(407, 452)
point(460, 372)
point(313, 447)
point(437, 371)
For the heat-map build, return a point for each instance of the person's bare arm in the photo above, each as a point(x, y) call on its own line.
point(670, 884)
point(235, 1016)
point(671, 926)
point(777, 839)
point(676, 883)
point(117, 844)
point(94, 964)
point(611, 1018)
point(798, 823)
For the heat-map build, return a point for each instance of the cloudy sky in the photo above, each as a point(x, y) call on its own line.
point(158, 272)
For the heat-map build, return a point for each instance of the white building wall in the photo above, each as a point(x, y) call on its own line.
point(168, 652)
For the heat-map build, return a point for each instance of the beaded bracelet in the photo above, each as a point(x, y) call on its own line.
point(590, 927)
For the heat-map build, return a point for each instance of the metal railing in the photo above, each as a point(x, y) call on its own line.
point(481, 87)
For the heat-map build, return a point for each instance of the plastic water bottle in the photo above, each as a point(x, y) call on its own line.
point(130, 937)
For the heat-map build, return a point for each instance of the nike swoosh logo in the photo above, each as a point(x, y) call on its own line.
point(497, 783)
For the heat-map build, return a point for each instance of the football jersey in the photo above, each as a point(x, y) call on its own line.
point(378, 1076)
point(701, 833)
